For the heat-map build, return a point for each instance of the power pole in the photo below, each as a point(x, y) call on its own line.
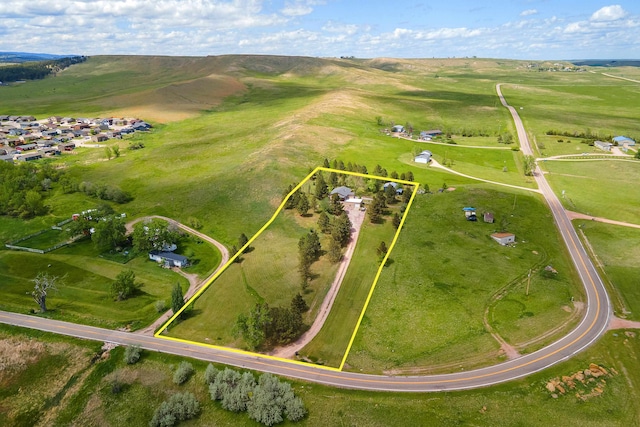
point(528, 283)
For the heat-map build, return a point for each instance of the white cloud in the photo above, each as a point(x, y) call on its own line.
point(334, 27)
point(299, 7)
point(609, 13)
point(529, 12)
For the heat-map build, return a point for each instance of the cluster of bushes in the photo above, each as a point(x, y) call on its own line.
point(179, 407)
point(135, 146)
point(36, 70)
point(99, 191)
point(268, 401)
point(22, 188)
point(577, 134)
point(268, 326)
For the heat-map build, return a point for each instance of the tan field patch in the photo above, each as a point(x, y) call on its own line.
point(177, 101)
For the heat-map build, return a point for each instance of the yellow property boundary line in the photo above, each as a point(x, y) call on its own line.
point(232, 259)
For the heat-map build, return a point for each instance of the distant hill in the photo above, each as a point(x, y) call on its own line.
point(20, 57)
point(608, 62)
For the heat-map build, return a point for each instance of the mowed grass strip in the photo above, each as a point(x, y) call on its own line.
point(427, 312)
point(595, 187)
point(618, 251)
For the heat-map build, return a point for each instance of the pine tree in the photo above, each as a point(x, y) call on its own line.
point(321, 190)
point(303, 205)
point(396, 220)
point(324, 224)
point(177, 298)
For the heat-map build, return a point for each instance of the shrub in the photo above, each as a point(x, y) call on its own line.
point(183, 373)
point(160, 306)
point(132, 354)
point(179, 407)
point(210, 374)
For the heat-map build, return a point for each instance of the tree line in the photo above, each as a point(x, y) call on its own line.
point(23, 188)
point(37, 70)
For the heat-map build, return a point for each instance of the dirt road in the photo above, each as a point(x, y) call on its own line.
point(356, 217)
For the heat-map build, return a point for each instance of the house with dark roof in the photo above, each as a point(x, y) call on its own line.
point(169, 259)
point(343, 192)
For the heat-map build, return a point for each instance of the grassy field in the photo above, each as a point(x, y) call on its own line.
point(594, 187)
point(618, 254)
point(84, 295)
point(427, 312)
point(79, 392)
point(45, 240)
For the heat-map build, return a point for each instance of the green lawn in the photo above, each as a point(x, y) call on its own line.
point(618, 252)
point(427, 311)
point(594, 187)
point(84, 295)
point(45, 240)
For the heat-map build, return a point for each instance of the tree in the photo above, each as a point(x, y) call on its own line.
point(335, 251)
point(43, 284)
point(325, 163)
point(381, 250)
point(410, 176)
point(324, 223)
point(179, 407)
point(335, 206)
point(125, 285)
point(321, 190)
point(637, 156)
point(396, 220)
point(116, 150)
point(253, 327)
point(390, 194)
point(154, 234)
point(78, 226)
point(341, 229)
point(298, 304)
point(376, 209)
point(303, 205)
point(333, 179)
point(426, 187)
point(177, 298)
point(109, 232)
point(107, 152)
point(33, 205)
point(529, 165)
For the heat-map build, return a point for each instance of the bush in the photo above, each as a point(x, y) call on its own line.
point(210, 374)
point(183, 373)
point(179, 407)
point(160, 306)
point(132, 354)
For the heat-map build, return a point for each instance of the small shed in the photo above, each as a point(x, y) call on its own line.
point(504, 238)
point(424, 157)
point(397, 129)
point(488, 217)
point(468, 211)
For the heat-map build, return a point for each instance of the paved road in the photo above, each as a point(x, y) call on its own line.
point(593, 325)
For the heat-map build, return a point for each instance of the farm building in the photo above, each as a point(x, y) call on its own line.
point(397, 129)
point(605, 146)
point(423, 157)
point(169, 259)
point(430, 133)
point(623, 140)
point(488, 217)
point(343, 192)
point(504, 238)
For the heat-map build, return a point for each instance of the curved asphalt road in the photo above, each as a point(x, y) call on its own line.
point(593, 325)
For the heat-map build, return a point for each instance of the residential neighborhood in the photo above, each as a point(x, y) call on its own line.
point(25, 138)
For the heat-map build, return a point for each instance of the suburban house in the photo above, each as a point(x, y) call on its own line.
point(343, 193)
point(424, 157)
point(605, 146)
point(99, 138)
point(29, 157)
point(395, 186)
point(169, 259)
point(26, 147)
point(623, 140)
point(504, 238)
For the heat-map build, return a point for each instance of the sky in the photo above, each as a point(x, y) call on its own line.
point(510, 29)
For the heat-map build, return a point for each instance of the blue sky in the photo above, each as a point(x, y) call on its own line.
point(517, 29)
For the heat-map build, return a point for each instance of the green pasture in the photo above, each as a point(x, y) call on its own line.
point(84, 295)
point(554, 145)
point(426, 314)
point(604, 188)
point(617, 251)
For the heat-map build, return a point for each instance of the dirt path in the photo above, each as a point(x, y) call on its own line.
point(357, 218)
point(194, 284)
point(577, 215)
point(618, 323)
